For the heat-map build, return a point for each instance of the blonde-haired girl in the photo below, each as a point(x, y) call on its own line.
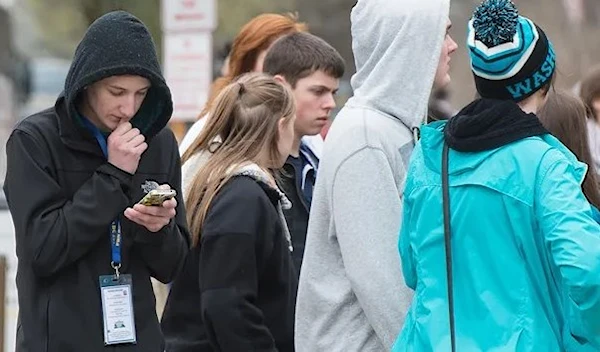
point(238, 287)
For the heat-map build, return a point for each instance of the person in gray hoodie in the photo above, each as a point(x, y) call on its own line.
point(352, 296)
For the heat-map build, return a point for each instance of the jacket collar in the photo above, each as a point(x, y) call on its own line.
point(73, 134)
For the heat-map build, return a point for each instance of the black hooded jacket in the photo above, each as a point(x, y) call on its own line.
point(63, 196)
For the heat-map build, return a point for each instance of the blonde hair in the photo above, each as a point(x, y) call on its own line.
point(243, 124)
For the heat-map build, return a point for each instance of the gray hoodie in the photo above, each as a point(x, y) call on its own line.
point(352, 295)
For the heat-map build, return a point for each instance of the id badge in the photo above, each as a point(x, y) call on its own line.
point(117, 309)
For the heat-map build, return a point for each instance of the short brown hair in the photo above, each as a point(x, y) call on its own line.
point(590, 89)
point(298, 55)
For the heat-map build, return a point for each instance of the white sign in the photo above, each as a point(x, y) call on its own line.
point(7, 3)
point(7, 118)
point(11, 304)
point(188, 15)
point(188, 71)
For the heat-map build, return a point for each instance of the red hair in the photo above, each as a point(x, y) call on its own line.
point(254, 37)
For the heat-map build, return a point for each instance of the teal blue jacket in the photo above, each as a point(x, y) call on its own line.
point(526, 250)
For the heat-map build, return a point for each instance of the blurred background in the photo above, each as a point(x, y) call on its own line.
point(38, 38)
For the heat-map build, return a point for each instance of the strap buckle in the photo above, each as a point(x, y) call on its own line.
point(116, 267)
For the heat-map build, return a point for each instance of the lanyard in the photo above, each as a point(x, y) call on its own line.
point(115, 226)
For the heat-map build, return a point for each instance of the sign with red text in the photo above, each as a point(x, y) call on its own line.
point(188, 15)
point(188, 71)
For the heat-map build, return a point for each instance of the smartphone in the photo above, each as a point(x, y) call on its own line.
point(156, 197)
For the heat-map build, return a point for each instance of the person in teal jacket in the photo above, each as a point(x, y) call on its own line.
point(525, 248)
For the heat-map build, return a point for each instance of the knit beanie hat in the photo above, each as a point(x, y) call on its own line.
point(511, 57)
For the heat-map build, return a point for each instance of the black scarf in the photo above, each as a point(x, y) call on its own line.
point(488, 124)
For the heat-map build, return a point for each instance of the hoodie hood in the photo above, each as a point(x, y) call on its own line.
point(261, 176)
point(397, 46)
point(120, 44)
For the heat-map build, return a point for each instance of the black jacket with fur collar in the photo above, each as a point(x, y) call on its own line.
point(237, 291)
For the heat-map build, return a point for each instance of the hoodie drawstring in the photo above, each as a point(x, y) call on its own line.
point(416, 131)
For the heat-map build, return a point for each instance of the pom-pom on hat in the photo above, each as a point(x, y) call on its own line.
point(511, 57)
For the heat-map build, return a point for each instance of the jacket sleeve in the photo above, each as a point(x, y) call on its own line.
point(367, 232)
point(164, 252)
point(406, 254)
point(52, 230)
point(229, 263)
point(572, 237)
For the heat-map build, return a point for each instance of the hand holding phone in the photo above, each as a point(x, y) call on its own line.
point(155, 210)
point(157, 197)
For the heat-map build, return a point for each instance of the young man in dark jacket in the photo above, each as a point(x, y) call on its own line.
point(312, 68)
point(75, 173)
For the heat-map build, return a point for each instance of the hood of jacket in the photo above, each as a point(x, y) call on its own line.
point(261, 176)
point(116, 44)
point(397, 47)
point(432, 143)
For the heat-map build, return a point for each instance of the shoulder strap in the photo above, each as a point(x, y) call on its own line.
point(448, 244)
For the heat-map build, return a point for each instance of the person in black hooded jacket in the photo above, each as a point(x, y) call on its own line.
point(77, 169)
